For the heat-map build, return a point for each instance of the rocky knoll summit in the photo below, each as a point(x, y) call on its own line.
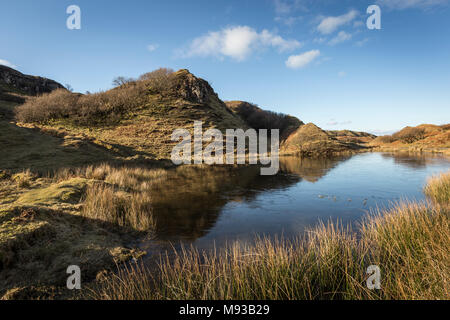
point(191, 88)
point(15, 81)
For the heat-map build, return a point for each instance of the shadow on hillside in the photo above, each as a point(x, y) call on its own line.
point(27, 148)
point(52, 240)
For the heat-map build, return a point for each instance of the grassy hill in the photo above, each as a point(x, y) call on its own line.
point(135, 120)
point(257, 118)
point(310, 140)
point(423, 138)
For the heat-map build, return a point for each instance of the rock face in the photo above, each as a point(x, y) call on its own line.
point(13, 80)
point(191, 88)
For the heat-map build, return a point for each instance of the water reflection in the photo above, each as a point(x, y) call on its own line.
point(413, 160)
point(310, 169)
point(189, 204)
point(202, 205)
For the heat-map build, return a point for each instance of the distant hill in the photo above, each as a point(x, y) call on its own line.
point(310, 140)
point(257, 118)
point(352, 136)
point(14, 84)
point(425, 137)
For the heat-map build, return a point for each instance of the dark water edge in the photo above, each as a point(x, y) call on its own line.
point(210, 208)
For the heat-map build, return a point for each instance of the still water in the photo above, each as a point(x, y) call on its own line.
point(212, 206)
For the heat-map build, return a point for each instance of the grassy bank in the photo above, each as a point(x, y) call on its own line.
point(408, 242)
point(91, 216)
point(85, 216)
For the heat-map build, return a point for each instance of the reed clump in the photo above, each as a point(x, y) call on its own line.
point(438, 188)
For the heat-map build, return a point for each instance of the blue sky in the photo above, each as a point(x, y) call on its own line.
point(314, 59)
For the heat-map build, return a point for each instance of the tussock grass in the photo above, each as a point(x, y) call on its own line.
point(438, 188)
point(408, 242)
point(102, 202)
point(24, 179)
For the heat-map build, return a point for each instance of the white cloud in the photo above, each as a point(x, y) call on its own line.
point(238, 43)
point(341, 37)
point(301, 60)
point(406, 4)
point(330, 24)
point(7, 63)
point(152, 47)
point(342, 74)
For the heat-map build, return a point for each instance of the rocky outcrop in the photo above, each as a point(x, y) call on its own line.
point(15, 81)
point(191, 88)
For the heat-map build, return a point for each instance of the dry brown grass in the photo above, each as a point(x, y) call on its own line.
point(130, 210)
point(24, 179)
point(438, 188)
point(423, 138)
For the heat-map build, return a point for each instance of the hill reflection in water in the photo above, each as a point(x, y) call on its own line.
point(210, 204)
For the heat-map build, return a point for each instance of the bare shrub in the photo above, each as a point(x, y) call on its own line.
point(257, 118)
point(386, 139)
point(57, 104)
point(120, 81)
point(409, 134)
point(89, 109)
point(159, 80)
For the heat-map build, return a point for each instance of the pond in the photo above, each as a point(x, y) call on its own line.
point(209, 207)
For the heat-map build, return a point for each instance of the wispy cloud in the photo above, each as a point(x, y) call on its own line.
point(285, 11)
point(330, 24)
point(238, 43)
point(319, 40)
point(152, 47)
point(337, 123)
point(282, 7)
point(342, 36)
point(362, 42)
point(342, 74)
point(7, 63)
point(288, 21)
point(406, 4)
point(302, 60)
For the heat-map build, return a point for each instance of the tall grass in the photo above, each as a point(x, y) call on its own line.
point(134, 210)
point(408, 242)
point(119, 196)
point(438, 188)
